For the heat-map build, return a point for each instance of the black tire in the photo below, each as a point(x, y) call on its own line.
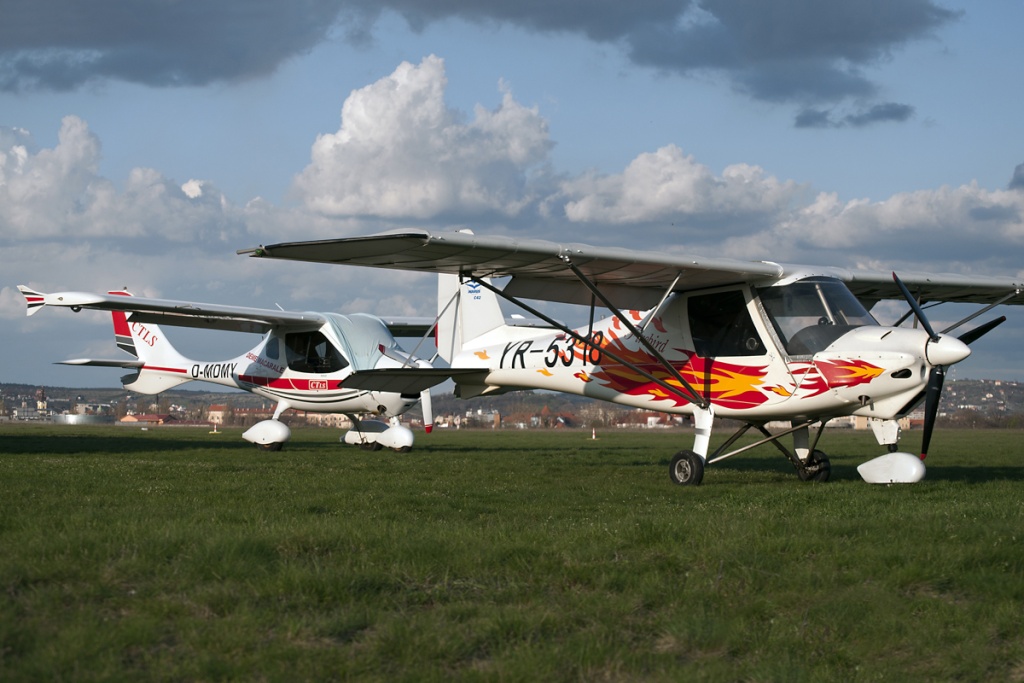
point(822, 471)
point(370, 446)
point(686, 469)
point(276, 446)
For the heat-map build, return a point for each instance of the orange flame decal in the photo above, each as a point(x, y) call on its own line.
point(847, 373)
point(726, 384)
point(482, 355)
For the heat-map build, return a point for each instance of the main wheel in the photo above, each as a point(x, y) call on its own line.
point(686, 469)
point(275, 446)
point(818, 468)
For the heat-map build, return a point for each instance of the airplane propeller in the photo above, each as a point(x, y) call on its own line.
point(940, 352)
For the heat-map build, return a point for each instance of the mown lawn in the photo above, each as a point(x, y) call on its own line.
point(173, 554)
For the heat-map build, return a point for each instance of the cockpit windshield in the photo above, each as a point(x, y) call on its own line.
point(810, 314)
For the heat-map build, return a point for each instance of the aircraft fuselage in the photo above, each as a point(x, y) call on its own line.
point(808, 350)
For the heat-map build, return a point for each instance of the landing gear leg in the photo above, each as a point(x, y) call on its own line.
point(687, 467)
point(810, 465)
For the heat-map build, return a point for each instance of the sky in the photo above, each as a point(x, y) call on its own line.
point(143, 143)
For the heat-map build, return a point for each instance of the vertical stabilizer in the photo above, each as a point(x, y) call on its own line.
point(164, 367)
point(466, 311)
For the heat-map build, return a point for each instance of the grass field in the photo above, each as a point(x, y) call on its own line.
point(517, 556)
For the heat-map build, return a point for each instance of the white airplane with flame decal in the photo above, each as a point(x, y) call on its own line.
point(757, 342)
point(302, 362)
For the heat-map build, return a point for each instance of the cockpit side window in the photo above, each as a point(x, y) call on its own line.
point(721, 326)
point(273, 348)
point(311, 352)
point(810, 314)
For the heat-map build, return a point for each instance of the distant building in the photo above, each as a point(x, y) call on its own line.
point(215, 415)
point(149, 419)
point(336, 420)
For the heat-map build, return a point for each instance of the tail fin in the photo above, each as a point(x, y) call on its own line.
point(465, 311)
point(164, 367)
point(122, 332)
point(33, 300)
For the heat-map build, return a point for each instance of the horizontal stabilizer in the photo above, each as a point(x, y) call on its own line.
point(33, 299)
point(154, 382)
point(408, 380)
point(104, 363)
point(405, 326)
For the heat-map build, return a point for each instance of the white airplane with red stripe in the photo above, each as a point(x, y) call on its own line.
point(303, 361)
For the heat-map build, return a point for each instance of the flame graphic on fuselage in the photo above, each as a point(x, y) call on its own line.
point(726, 384)
point(847, 373)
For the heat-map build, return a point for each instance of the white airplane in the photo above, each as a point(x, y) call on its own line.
point(757, 342)
point(303, 361)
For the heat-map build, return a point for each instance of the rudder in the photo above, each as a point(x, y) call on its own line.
point(466, 310)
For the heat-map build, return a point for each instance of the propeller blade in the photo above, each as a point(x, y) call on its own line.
point(931, 406)
point(916, 307)
point(971, 336)
point(428, 410)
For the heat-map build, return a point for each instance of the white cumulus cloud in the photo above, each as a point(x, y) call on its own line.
point(668, 185)
point(402, 153)
point(60, 192)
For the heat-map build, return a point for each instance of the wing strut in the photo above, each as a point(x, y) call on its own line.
point(692, 397)
point(983, 311)
point(433, 327)
point(657, 309)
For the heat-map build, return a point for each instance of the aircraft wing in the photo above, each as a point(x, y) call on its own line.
point(630, 278)
point(179, 313)
point(409, 380)
point(409, 326)
point(538, 268)
point(873, 286)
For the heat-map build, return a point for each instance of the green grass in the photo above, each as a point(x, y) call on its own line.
point(515, 556)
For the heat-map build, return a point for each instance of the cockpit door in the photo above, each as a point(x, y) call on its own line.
point(736, 363)
point(312, 353)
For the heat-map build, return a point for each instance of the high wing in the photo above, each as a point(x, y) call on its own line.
point(409, 326)
point(539, 269)
point(629, 278)
point(179, 313)
point(872, 286)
